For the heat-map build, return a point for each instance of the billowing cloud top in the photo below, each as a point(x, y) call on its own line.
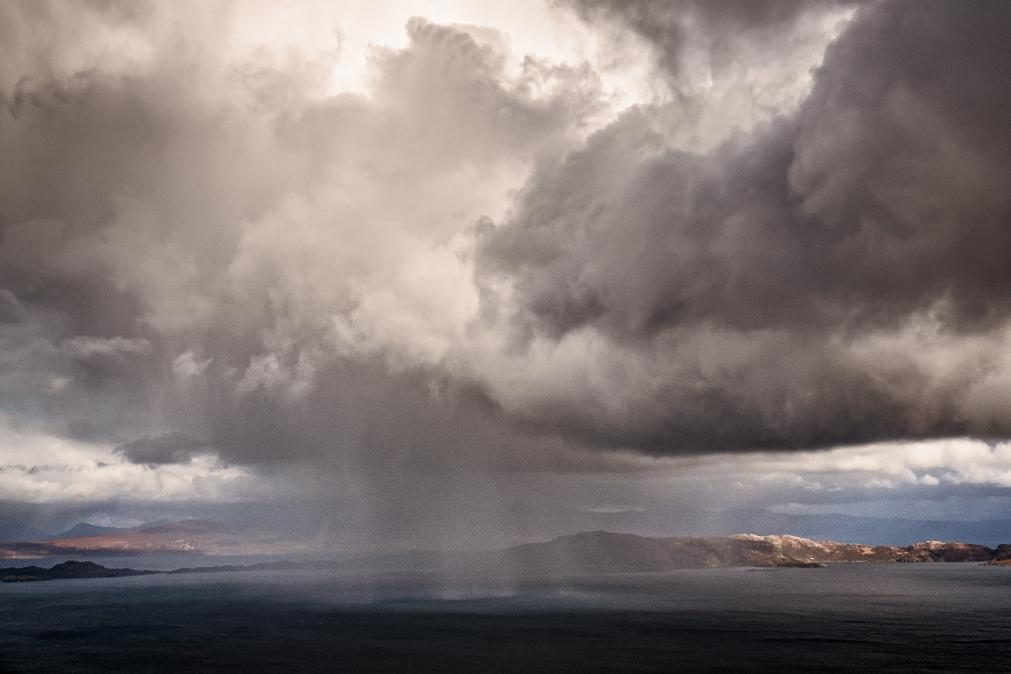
point(797, 238)
point(838, 275)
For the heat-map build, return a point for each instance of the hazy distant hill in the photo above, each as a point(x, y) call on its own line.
point(185, 536)
point(17, 531)
point(606, 552)
point(601, 551)
point(85, 530)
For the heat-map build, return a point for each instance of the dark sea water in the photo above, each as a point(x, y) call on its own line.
point(856, 617)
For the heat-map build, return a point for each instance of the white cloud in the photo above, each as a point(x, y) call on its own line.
point(188, 365)
point(884, 467)
point(112, 347)
point(37, 467)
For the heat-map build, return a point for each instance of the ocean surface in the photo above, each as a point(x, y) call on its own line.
point(847, 617)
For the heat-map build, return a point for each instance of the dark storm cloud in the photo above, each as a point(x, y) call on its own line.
point(788, 286)
point(187, 245)
point(717, 29)
point(11, 310)
point(162, 449)
point(197, 245)
point(885, 195)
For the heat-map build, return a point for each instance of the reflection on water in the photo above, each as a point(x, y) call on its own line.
point(847, 617)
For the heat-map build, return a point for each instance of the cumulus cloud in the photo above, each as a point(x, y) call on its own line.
point(889, 466)
point(783, 289)
point(98, 347)
point(37, 467)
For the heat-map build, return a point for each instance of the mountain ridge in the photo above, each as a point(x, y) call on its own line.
point(20, 541)
point(592, 552)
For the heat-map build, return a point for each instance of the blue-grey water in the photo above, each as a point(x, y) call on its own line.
point(848, 617)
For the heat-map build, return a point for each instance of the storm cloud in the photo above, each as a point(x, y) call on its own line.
point(835, 276)
point(477, 262)
point(207, 243)
point(160, 449)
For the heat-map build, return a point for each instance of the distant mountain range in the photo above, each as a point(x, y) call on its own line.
point(591, 552)
point(835, 527)
point(19, 541)
point(186, 536)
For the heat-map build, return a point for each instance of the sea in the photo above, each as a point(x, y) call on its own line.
point(844, 618)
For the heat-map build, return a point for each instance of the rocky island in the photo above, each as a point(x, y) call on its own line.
point(64, 571)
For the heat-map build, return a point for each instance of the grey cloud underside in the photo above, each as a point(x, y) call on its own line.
point(162, 449)
point(178, 245)
point(884, 196)
point(763, 277)
point(183, 252)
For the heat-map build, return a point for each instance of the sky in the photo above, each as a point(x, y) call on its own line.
point(465, 274)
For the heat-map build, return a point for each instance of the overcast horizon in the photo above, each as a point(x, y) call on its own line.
point(449, 274)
